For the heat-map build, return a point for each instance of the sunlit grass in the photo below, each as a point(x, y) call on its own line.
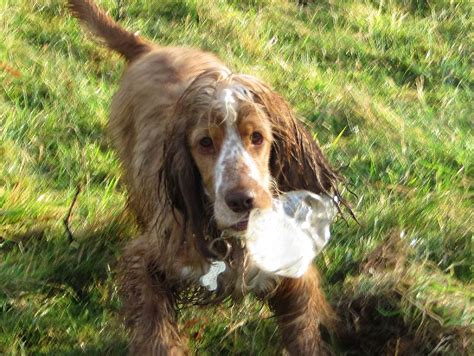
point(387, 86)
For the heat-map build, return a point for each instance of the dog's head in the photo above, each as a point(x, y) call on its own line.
point(232, 145)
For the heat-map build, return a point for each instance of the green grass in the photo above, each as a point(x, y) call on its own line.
point(388, 86)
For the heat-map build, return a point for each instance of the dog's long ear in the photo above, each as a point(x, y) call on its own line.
point(296, 160)
point(181, 183)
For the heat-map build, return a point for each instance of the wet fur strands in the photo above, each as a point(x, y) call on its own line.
point(201, 147)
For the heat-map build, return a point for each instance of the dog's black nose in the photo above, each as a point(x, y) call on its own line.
point(240, 201)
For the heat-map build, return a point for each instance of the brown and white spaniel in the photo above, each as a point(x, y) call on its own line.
point(201, 146)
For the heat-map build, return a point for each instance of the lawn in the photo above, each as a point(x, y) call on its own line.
point(388, 88)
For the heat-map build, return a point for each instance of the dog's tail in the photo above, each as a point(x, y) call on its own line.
point(129, 45)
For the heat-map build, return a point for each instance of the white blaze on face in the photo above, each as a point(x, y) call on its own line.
point(228, 98)
point(233, 159)
point(233, 155)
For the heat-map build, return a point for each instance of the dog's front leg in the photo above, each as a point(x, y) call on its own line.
point(300, 307)
point(148, 303)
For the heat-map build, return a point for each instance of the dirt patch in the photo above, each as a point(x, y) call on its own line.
point(391, 308)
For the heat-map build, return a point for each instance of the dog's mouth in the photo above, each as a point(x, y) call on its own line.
point(241, 225)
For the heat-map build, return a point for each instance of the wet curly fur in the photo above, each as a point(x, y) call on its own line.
point(164, 93)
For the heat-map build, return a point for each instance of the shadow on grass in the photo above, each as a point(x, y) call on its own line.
point(91, 257)
point(60, 297)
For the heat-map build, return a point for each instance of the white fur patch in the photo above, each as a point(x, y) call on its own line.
point(233, 150)
point(209, 280)
point(228, 96)
point(233, 158)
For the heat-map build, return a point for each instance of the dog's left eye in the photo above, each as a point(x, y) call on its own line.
point(206, 144)
point(256, 138)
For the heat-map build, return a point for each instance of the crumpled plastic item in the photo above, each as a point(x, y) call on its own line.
point(285, 239)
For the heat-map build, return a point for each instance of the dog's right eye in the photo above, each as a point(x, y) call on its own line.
point(206, 143)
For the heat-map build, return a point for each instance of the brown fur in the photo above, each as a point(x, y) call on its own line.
point(300, 307)
point(127, 44)
point(161, 100)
